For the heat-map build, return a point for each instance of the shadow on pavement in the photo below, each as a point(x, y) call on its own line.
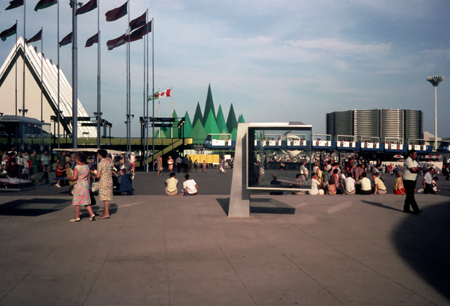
point(381, 205)
point(262, 206)
point(33, 207)
point(423, 242)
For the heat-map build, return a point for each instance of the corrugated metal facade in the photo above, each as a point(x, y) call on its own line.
point(383, 123)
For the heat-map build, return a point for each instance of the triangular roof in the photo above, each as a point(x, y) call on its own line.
point(209, 106)
point(220, 120)
point(197, 115)
point(241, 119)
point(33, 92)
point(231, 121)
point(211, 125)
point(175, 124)
point(198, 133)
point(187, 125)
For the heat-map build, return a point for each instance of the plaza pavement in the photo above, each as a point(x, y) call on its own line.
point(158, 250)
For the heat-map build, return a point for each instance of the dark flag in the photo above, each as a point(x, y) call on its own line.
point(42, 4)
point(92, 40)
point(66, 40)
point(117, 13)
point(139, 33)
point(9, 32)
point(138, 22)
point(113, 43)
point(36, 37)
point(91, 5)
point(13, 4)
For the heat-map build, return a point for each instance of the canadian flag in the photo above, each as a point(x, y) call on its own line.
point(165, 93)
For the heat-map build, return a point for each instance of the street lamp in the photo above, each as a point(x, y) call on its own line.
point(435, 80)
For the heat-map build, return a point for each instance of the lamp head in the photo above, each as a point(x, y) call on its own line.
point(435, 80)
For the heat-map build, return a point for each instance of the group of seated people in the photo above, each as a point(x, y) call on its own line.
point(189, 186)
point(341, 184)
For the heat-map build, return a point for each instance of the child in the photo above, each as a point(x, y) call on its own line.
point(59, 174)
point(434, 184)
point(204, 166)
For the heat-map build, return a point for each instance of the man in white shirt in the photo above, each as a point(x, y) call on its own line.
point(410, 169)
point(379, 186)
point(427, 180)
point(349, 183)
point(190, 186)
point(365, 185)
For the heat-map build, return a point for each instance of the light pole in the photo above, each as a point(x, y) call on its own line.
point(435, 80)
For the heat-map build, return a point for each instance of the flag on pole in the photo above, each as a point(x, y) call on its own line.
point(117, 13)
point(91, 5)
point(8, 32)
point(66, 40)
point(138, 22)
point(92, 40)
point(36, 37)
point(139, 33)
point(42, 4)
point(165, 93)
point(13, 4)
point(156, 95)
point(117, 42)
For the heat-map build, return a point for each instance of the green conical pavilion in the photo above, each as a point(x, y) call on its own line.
point(187, 127)
point(198, 115)
point(209, 106)
point(220, 120)
point(231, 120)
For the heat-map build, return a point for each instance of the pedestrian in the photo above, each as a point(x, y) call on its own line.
point(105, 189)
point(204, 166)
point(196, 165)
point(159, 164)
point(45, 161)
point(170, 164)
point(410, 169)
point(179, 163)
point(81, 194)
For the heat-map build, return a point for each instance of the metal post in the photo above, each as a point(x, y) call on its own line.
point(74, 77)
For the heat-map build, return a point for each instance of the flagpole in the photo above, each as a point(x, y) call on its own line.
point(24, 56)
point(74, 76)
point(42, 74)
point(128, 82)
point(153, 90)
point(159, 110)
point(16, 67)
point(146, 16)
point(171, 111)
point(99, 102)
point(57, 44)
point(143, 102)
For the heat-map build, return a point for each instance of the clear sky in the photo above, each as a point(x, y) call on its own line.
point(274, 60)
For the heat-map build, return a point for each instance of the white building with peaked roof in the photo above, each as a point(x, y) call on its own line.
point(11, 90)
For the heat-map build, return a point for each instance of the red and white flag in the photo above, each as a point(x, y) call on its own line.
point(165, 93)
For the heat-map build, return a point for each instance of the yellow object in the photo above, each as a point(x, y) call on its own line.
point(210, 159)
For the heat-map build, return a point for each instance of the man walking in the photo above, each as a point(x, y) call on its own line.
point(410, 169)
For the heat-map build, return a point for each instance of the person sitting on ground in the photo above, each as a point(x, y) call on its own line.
point(349, 186)
point(427, 181)
point(190, 186)
point(274, 180)
point(331, 186)
point(379, 186)
point(171, 185)
point(363, 185)
point(434, 184)
point(315, 186)
point(398, 185)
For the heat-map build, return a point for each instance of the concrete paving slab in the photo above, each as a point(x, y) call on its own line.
point(158, 250)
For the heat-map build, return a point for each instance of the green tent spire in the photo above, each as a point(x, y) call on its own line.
point(220, 120)
point(209, 106)
point(231, 121)
point(241, 119)
point(198, 133)
point(211, 125)
point(187, 127)
point(175, 124)
point(198, 115)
